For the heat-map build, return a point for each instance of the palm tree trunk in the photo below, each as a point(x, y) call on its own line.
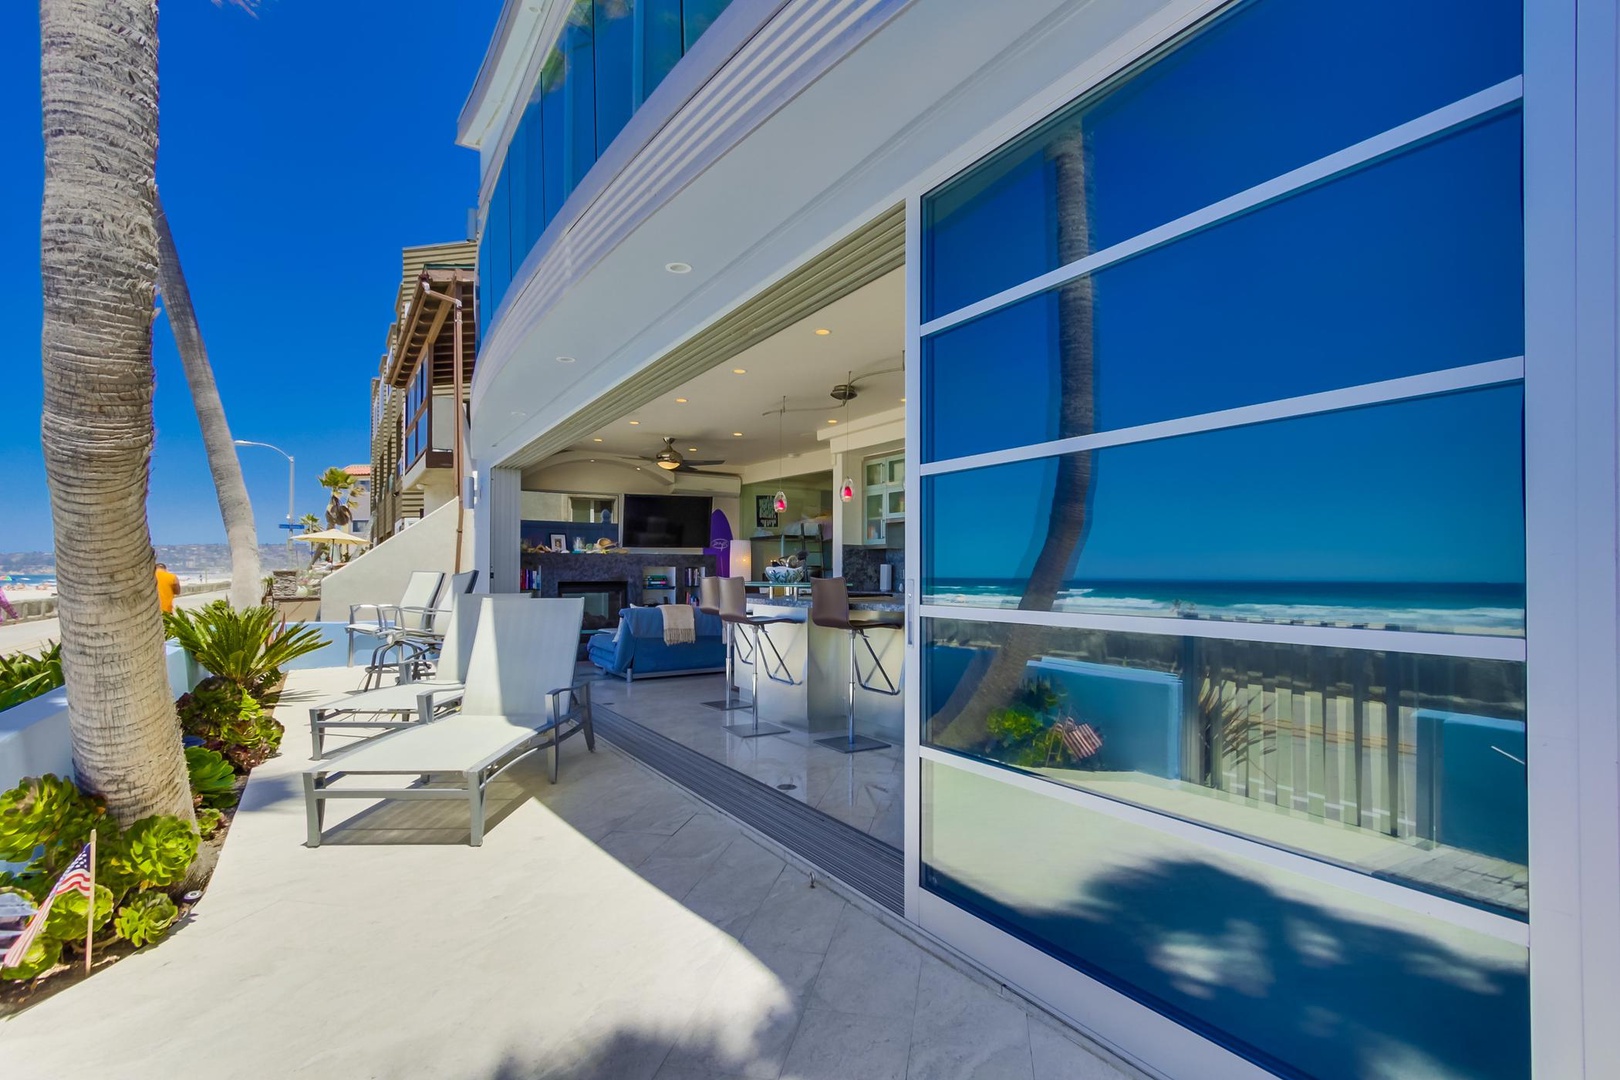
point(961, 721)
point(98, 255)
point(234, 506)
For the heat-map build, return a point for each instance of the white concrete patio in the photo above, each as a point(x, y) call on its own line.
point(610, 927)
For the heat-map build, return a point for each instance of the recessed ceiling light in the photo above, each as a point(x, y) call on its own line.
point(680, 401)
point(596, 440)
point(565, 359)
point(822, 331)
point(832, 421)
point(739, 371)
point(678, 267)
point(736, 434)
point(691, 449)
point(902, 401)
point(635, 423)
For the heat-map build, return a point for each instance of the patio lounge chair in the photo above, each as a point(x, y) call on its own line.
point(420, 593)
point(389, 707)
point(520, 697)
point(411, 648)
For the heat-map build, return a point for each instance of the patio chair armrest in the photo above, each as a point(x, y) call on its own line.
point(579, 702)
point(429, 701)
point(355, 609)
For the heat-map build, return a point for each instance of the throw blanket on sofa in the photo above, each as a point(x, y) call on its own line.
point(680, 627)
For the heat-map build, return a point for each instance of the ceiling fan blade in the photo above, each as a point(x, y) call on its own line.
point(703, 472)
point(705, 461)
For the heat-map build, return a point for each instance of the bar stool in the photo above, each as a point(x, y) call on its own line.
point(734, 613)
point(709, 604)
point(829, 607)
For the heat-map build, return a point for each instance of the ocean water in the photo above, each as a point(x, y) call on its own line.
point(27, 579)
point(1469, 608)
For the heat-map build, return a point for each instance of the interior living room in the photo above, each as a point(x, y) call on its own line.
point(781, 465)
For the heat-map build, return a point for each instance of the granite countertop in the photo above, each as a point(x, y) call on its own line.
point(893, 604)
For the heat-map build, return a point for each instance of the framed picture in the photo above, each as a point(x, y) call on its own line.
point(765, 511)
point(559, 542)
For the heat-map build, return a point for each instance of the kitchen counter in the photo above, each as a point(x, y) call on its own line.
point(891, 604)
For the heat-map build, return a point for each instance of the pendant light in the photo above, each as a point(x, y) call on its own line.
point(780, 502)
point(846, 490)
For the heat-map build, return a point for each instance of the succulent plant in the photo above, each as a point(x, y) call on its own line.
point(40, 957)
point(66, 920)
point(209, 820)
point(145, 918)
point(213, 781)
point(46, 816)
point(155, 851)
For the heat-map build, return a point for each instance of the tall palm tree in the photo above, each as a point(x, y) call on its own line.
point(98, 251)
point(234, 506)
point(340, 508)
point(961, 721)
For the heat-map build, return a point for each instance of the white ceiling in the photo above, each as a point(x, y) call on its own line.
point(868, 335)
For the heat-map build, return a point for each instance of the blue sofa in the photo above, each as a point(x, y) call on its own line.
point(637, 647)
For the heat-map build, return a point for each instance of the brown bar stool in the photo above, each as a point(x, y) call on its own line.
point(734, 613)
point(829, 607)
point(709, 603)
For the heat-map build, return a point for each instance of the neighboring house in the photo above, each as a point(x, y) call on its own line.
point(360, 523)
point(1180, 361)
point(413, 462)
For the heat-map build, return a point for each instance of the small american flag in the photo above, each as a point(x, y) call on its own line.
point(75, 879)
point(1081, 740)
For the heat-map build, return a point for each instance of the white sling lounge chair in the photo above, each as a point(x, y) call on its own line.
point(519, 697)
point(389, 707)
point(420, 593)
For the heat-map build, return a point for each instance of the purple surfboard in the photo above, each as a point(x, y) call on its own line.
point(720, 543)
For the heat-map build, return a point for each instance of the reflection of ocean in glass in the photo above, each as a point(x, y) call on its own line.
point(1431, 608)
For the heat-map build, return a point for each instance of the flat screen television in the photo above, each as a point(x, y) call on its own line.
point(666, 521)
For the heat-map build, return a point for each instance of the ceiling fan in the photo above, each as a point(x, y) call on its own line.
point(673, 460)
point(842, 392)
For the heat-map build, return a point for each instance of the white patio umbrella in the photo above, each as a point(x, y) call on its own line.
point(331, 536)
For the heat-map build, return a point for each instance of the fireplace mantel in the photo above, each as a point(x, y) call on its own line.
point(617, 566)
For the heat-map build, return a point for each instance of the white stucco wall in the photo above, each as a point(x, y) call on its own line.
point(379, 576)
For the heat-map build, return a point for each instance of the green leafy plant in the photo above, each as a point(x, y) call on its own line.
point(247, 647)
point(209, 820)
point(231, 721)
point(41, 956)
point(1013, 725)
point(24, 677)
point(49, 816)
point(213, 780)
point(66, 920)
point(145, 918)
point(46, 820)
point(156, 851)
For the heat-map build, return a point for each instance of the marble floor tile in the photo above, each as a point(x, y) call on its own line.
point(869, 971)
point(964, 1030)
point(844, 1046)
point(795, 916)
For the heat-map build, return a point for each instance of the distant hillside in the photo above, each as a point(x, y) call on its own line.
point(182, 559)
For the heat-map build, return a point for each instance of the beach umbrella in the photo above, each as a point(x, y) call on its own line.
point(331, 536)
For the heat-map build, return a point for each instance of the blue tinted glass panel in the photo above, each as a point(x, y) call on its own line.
point(534, 196)
point(1404, 766)
point(518, 183)
point(658, 26)
point(1412, 265)
point(1406, 516)
point(615, 59)
point(579, 96)
point(1305, 979)
point(1274, 85)
point(553, 113)
point(498, 240)
point(697, 16)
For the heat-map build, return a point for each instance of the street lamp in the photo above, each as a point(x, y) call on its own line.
point(291, 479)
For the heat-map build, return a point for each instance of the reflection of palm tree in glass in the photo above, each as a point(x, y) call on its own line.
point(961, 722)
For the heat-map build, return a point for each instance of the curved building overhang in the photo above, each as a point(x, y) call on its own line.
point(816, 127)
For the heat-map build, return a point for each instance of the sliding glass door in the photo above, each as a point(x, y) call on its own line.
point(1221, 527)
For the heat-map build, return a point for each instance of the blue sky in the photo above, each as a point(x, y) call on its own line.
point(283, 168)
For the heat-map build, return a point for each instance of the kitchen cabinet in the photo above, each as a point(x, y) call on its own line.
point(883, 497)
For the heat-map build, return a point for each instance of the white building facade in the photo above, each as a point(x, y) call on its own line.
point(1262, 713)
